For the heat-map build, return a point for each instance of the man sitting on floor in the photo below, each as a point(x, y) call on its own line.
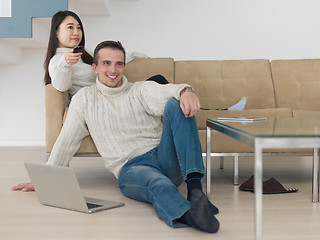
point(150, 159)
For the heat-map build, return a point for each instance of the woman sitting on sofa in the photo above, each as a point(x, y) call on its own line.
point(65, 69)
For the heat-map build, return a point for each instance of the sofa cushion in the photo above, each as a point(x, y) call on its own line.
point(221, 84)
point(141, 69)
point(305, 114)
point(297, 83)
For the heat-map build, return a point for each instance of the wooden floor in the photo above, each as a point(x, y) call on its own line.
point(286, 216)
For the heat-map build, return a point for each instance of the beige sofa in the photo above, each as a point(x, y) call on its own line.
point(280, 88)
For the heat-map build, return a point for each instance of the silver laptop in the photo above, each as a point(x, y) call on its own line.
point(58, 187)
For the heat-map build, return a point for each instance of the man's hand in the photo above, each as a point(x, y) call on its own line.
point(189, 103)
point(24, 187)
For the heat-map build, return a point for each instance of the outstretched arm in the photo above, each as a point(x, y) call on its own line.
point(68, 142)
point(24, 187)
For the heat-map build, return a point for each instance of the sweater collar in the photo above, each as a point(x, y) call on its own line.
point(108, 91)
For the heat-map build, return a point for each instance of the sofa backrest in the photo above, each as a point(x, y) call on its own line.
point(141, 69)
point(297, 83)
point(221, 83)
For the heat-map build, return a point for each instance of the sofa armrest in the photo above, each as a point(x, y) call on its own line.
point(55, 103)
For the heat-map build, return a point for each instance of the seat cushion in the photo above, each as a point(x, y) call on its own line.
point(306, 114)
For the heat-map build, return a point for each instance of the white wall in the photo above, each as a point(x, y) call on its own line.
point(213, 29)
point(183, 29)
point(22, 112)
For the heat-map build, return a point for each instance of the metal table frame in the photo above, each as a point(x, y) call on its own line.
point(260, 143)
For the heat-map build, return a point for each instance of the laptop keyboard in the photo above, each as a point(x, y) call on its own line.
point(92, 205)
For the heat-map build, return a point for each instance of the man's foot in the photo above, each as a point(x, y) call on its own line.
point(199, 215)
point(213, 209)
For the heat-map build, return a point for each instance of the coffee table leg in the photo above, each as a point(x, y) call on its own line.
point(208, 163)
point(236, 169)
point(258, 189)
point(315, 176)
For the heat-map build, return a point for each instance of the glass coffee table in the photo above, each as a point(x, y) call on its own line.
point(271, 133)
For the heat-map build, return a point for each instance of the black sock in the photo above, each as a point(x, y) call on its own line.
point(194, 182)
point(199, 215)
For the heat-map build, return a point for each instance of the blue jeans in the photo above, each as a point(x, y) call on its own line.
point(154, 176)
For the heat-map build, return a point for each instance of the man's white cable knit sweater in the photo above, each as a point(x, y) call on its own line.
point(124, 122)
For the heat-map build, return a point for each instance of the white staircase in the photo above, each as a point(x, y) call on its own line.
point(10, 48)
point(90, 7)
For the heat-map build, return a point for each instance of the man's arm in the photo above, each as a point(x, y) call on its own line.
point(24, 187)
point(68, 141)
point(72, 133)
point(189, 102)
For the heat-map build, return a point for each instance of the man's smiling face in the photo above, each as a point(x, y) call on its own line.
point(110, 67)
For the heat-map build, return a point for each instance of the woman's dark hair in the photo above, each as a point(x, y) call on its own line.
point(56, 20)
